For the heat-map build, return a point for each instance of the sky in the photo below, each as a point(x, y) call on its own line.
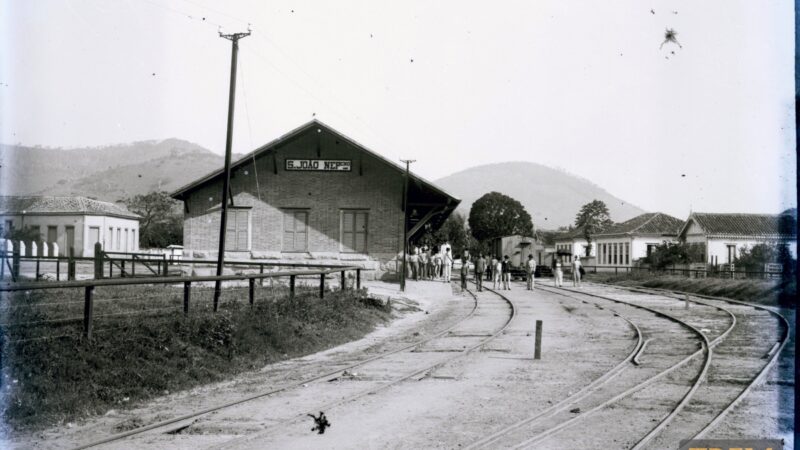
point(585, 86)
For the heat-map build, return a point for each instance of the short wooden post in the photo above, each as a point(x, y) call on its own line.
point(88, 307)
point(537, 352)
point(122, 269)
point(358, 278)
point(291, 286)
point(344, 281)
point(133, 266)
point(322, 285)
point(110, 269)
point(164, 261)
point(261, 272)
point(187, 294)
point(98, 261)
point(37, 269)
point(15, 264)
point(58, 268)
point(71, 265)
point(687, 301)
point(252, 282)
point(3, 258)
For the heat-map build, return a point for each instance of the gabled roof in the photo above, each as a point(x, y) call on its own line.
point(576, 233)
point(297, 132)
point(43, 205)
point(646, 224)
point(746, 225)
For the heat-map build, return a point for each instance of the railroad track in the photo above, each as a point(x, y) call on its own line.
point(417, 359)
point(596, 398)
point(710, 396)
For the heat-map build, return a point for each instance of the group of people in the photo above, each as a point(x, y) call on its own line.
point(423, 264)
point(577, 272)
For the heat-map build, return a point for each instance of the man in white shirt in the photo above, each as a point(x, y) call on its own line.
point(576, 271)
point(447, 261)
point(530, 267)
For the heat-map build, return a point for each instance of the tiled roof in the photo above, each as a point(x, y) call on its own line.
point(61, 205)
point(648, 223)
point(758, 225)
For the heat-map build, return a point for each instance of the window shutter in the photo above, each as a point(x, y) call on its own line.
point(301, 230)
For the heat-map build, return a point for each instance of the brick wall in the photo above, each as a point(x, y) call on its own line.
point(371, 186)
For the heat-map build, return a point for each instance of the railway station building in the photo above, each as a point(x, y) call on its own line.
point(624, 243)
point(725, 235)
point(312, 195)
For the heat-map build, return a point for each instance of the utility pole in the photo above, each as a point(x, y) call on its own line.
point(405, 223)
point(226, 179)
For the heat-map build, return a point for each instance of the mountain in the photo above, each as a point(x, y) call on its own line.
point(552, 197)
point(107, 173)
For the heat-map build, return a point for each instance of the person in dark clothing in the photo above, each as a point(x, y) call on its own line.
point(464, 271)
point(480, 268)
point(506, 273)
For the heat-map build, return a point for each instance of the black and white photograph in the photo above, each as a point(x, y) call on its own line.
point(353, 224)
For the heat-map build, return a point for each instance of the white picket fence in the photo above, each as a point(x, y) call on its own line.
point(29, 248)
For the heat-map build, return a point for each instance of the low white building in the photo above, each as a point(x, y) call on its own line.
point(725, 235)
point(624, 243)
point(571, 243)
point(77, 222)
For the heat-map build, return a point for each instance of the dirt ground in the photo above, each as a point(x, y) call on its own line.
point(453, 406)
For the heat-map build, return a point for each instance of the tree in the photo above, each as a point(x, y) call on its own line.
point(752, 259)
point(668, 254)
point(453, 230)
point(593, 218)
point(496, 215)
point(161, 223)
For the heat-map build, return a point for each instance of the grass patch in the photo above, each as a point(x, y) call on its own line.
point(145, 347)
point(781, 293)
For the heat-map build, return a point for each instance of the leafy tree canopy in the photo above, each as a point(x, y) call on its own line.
point(594, 218)
point(668, 254)
point(496, 215)
point(453, 230)
point(162, 221)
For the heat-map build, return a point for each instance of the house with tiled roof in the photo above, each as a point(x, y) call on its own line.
point(76, 222)
point(624, 243)
point(725, 235)
point(571, 243)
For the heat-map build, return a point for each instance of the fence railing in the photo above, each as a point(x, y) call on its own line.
point(89, 286)
point(687, 272)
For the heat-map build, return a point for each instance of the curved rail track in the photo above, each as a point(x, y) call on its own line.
point(178, 424)
point(737, 330)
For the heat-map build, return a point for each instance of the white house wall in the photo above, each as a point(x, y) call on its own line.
point(110, 243)
point(717, 248)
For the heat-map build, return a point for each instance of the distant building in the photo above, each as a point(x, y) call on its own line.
point(312, 195)
point(571, 243)
point(518, 248)
point(624, 243)
point(725, 235)
point(76, 222)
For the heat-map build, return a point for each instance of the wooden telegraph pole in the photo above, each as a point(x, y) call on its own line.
point(226, 179)
point(405, 223)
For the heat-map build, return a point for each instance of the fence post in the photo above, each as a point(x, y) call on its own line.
point(37, 268)
point(58, 268)
point(133, 265)
point(88, 306)
point(261, 272)
point(322, 285)
point(537, 352)
point(98, 261)
point(291, 286)
point(122, 269)
point(71, 264)
point(110, 269)
point(252, 293)
point(187, 293)
point(3, 259)
point(358, 278)
point(15, 264)
point(344, 281)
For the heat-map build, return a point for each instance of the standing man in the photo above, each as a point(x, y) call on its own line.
point(415, 263)
point(423, 262)
point(530, 267)
point(558, 273)
point(576, 271)
point(497, 269)
point(447, 261)
point(480, 268)
point(464, 271)
point(506, 270)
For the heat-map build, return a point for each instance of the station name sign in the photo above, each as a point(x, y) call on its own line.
point(320, 165)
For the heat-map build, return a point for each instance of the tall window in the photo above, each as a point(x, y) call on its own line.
point(354, 231)
point(119, 239)
point(110, 239)
point(295, 230)
point(236, 230)
point(731, 253)
point(627, 253)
